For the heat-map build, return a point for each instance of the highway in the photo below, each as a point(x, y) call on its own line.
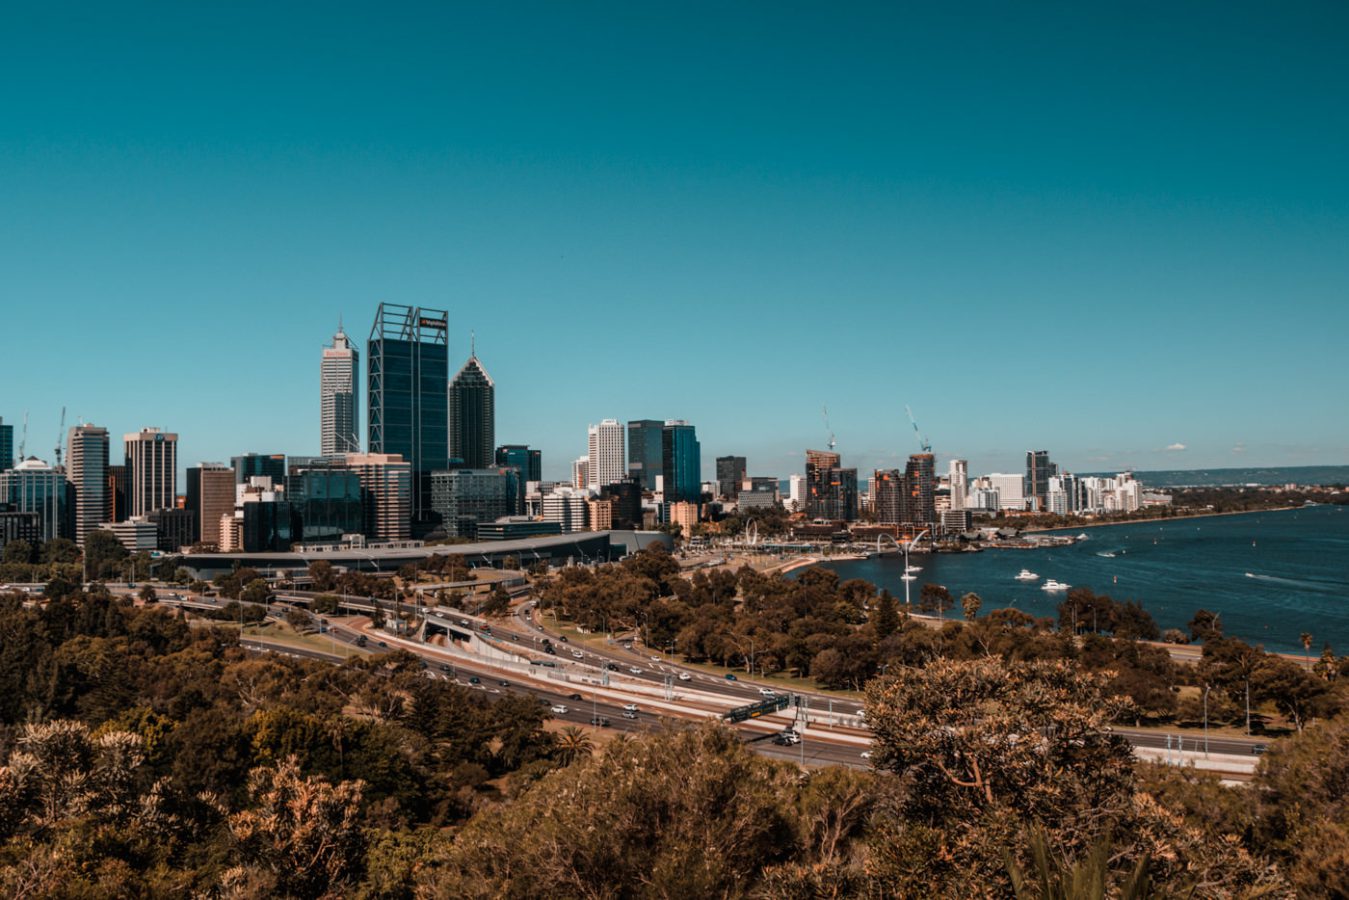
point(522, 635)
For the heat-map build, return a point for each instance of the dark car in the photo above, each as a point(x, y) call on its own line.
point(549, 649)
point(504, 683)
point(474, 679)
point(612, 667)
point(446, 667)
point(384, 645)
point(362, 641)
point(563, 639)
point(575, 697)
point(1259, 749)
point(601, 721)
point(730, 676)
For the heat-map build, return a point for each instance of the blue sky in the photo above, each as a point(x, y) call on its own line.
point(1101, 231)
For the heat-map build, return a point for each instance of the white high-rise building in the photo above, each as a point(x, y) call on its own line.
point(340, 423)
point(151, 471)
point(1010, 488)
point(959, 477)
point(607, 459)
point(567, 507)
point(87, 471)
point(796, 493)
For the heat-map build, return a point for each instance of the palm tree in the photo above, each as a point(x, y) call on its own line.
point(1307, 647)
point(1088, 878)
point(573, 744)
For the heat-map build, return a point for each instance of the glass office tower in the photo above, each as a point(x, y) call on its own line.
point(681, 462)
point(408, 388)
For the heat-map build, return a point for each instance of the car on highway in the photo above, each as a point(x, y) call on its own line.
point(767, 692)
point(549, 649)
point(685, 676)
point(575, 697)
point(866, 754)
point(787, 738)
point(1259, 749)
point(629, 714)
point(463, 623)
point(730, 676)
point(655, 659)
point(634, 670)
point(474, 679)
point(362, 640)
point(611, 667)
point(601, 721)
point(446, 667)
point(559, 709)
point(563, 639)
point(577, 654)
point(384, 645)
point(504, 683)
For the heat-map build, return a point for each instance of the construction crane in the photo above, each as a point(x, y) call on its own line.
point(832, 443)
point(23, 440)
point(60, 432)
point(922, 441)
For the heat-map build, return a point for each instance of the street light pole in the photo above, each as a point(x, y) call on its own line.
point(1206, 690)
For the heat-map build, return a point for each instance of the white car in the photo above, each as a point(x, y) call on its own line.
point(866, 754)
point(767, 692)
point(634, 670)
point(577, 654)
point(655, 659)
point(685, 676)
point(631, 707)
point(560, 709)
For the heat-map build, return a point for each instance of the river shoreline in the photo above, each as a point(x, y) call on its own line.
point(1160, 519)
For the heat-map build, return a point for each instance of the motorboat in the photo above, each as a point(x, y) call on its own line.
point(1027, 575)
point(1053, 586)
point(909, 570)
point(907, 577)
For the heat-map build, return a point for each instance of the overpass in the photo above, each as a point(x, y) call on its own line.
point(557, 549)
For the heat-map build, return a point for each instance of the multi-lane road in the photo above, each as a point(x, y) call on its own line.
point(643, 679)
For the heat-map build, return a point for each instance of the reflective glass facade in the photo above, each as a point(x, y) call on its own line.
point(681, 460)
point(408, 387)
point(328, 503)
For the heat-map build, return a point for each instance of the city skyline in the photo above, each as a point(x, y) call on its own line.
point(1030, 250)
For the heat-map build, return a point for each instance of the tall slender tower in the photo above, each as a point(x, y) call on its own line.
point(338, 391)
point(151, 470)
point(473, 415)
point(408, 389)
point(605, 445)
point(960, 482)
point(87, 471)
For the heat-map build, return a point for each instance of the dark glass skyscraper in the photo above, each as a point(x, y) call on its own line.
point(681, 462)
point(259, 465)
point(472, 415)
point(6, 445)
point(645, 451)
point(731, 471)
point(408, 387)
point(529, 463)
point(1038, 471)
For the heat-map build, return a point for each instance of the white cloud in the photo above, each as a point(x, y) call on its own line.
point(1176, 447)
point(1240, 447)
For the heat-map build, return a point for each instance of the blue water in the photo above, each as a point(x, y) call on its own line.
point(1297, 560)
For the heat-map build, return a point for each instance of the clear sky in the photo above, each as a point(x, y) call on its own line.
point(1105, 230)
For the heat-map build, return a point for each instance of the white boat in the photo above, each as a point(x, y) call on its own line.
point(1052, 585)
point(1027, 575)
point(1082, 536)
point(909, 570)
point(907, 577)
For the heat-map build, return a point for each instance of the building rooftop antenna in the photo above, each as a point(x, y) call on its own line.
point(832, 443)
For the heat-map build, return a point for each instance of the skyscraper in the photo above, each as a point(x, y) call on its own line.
point(6, 445)
point(151, 470)
point(920, 483)
point(644, 451)
point(472, 415)
point(259, 465)
point(528, 462)
point(730, 473)
point(681, 463)
point(87, 471)
point(386, 493)
point(960, 481)
point(605, 444)
point(408, 387)
point(338, 392)
point(887, 496)
point(1038, 471)
point(210, 495)
point(831, 491)
point(33, 486)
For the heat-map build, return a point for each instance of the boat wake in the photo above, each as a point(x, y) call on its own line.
point(1331, 586)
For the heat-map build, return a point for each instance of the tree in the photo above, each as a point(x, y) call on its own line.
point(256, 591)
point(303, 833)
point(935, 598)
point(147, 593)
point(103, 554)
point(59, 550)
point(885, 617)
point(1306, 639)
point(18, 551)
point(573, 744)
point(1205, 626)
point(321, 574)
point(969, 605)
